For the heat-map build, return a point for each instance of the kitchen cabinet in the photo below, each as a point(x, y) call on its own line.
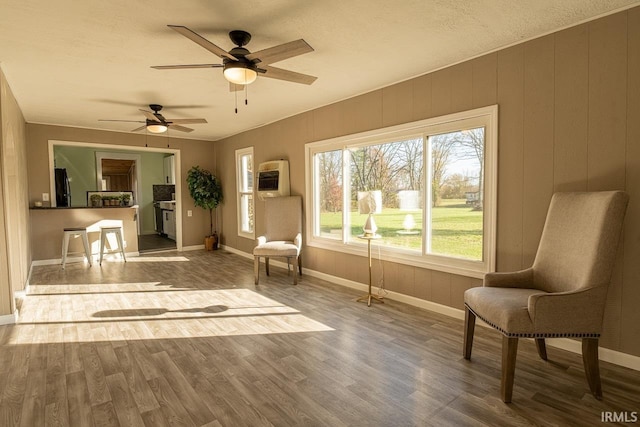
point(169, 224)
point(170, 170)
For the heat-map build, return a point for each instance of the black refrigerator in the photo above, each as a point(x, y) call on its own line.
point(63, 191)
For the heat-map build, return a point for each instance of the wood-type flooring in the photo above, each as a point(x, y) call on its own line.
point(187, 339)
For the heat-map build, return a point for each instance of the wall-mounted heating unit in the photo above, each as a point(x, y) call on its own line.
point(273, 179)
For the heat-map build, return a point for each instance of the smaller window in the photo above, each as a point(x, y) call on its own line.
point(244, 184)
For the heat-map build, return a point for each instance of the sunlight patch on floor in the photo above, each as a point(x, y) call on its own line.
point(157, 259)
point(145, 311)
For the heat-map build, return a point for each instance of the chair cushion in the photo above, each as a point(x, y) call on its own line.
point(277, 248)
point(506, 309)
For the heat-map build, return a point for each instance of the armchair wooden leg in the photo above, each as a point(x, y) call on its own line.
point(295, 267)
point(509, 352)
point(266, 264)
point(542, 348)
point(591, 365)
point(469, 327)
point(256, 269)
point(300, 264)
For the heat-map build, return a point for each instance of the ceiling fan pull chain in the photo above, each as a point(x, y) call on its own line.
point(246, 91)
point(236, 95)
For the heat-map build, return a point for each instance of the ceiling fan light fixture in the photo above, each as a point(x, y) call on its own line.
point(157, 128)
point(239, 74)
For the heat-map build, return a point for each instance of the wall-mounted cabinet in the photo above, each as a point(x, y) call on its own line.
point(170, 170)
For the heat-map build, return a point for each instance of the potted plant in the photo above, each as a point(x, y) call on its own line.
point(124, 199)
point(206, 191)
point(96, 200)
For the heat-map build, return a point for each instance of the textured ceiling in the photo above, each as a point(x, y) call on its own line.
point(74, 62)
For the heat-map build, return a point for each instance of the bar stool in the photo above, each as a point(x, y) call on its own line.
point(75, 232)
point(103, 236)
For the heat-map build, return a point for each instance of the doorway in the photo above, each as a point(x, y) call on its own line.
point(116, 171)
point(82, 163)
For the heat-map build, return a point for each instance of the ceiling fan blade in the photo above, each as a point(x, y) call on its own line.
point(290, 76)
point(180, 128)
point(149, 115)
point(280, 52)
point(127, 121)
point(178, 67)
point(186, 121)
point(193, 36)
point(235, 88)
point(140, 128)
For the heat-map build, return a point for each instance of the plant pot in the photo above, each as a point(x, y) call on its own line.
point(209, 243)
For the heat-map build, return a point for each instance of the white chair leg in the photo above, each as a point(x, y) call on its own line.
point(65, 247)
point(87, 251)
point(103, 236)
point(121, 244)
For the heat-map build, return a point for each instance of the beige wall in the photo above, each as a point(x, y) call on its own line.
point(15, 257)
point(569, 120)
point(192, 153)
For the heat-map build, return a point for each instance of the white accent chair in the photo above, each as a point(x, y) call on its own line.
point(283, 235)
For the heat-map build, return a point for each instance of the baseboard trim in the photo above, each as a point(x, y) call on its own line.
point(8, 319)
point(605, 354)
point(192, 248)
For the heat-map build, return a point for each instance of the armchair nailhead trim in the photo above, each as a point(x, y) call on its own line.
point(534, 335)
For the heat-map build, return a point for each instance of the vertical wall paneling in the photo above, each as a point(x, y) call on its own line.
point(510, 157)
point(441, 288)
point(391, 278)
point(441, 92)
point(397, 104)
point(462, 87)
point(361, 113)
point(406, 279)
point(630, 315)
point(571, 109)
point(607, 102)
point(538, 141)
point(422, 97)
point(459, 284)
point(327, 122)
point(422, 288)
point(485, 80)
point(607, 133)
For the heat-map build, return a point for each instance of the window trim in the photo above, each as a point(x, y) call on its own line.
point(489, 117)
point(240, 153)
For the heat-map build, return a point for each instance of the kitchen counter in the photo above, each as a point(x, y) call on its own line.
point(47, 224)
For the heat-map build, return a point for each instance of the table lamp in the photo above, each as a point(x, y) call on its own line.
point(369, 202)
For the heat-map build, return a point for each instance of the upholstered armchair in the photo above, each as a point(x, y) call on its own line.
point(283, 235)
point(563, 294)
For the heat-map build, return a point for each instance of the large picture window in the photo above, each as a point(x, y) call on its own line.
point(244, 184)
point(437, 179)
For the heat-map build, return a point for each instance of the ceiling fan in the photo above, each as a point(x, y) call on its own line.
point(241, 67)
point(156, 123)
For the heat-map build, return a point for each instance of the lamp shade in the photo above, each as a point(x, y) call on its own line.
point(159, 128)
point(370, 202)
point(239, 74)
